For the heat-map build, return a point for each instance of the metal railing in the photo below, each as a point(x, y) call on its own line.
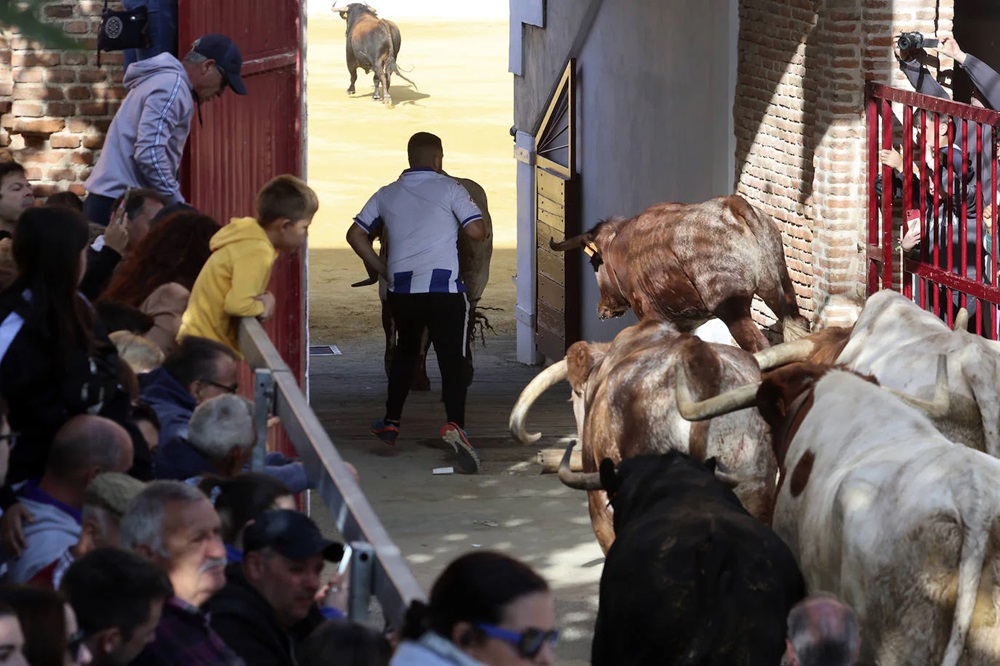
point(946, 185)
point(377, 566)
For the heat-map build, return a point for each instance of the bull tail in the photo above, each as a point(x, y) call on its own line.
point(392, 67)
point(975, 540)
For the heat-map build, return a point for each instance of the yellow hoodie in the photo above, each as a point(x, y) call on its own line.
point(237, 272)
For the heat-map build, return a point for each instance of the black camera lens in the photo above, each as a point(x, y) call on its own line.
point(909, 41)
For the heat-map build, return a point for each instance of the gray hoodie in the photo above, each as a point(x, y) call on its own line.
point(146, 139)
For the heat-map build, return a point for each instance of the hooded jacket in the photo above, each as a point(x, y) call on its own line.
point(228, 286)
point(174, 405)
point(146, 138)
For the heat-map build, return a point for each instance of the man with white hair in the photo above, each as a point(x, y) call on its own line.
point(175, 526)
point(222, 431)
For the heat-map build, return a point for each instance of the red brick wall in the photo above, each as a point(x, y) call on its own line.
point(55, 106)
point(800, 126)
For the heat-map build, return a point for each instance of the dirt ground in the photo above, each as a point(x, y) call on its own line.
point(356, 145)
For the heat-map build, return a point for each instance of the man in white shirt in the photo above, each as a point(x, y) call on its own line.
point(422, 213)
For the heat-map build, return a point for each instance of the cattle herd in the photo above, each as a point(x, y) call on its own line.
point(725, 484)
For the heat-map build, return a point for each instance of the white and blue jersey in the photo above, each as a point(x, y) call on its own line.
point(420, 214)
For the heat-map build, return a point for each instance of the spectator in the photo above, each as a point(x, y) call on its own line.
point(268, 604)
point(486, 608)
point(118, 598)
point(174, 525)
point(146, 139)
point(137, 352)
point(222, 433)
point(55, 360)
point(422, 213)
point(822, 631)
point(342, 643)
point(51, 634)
point(129, 224)
point(15, 196)
point(104, 503)
point(83, 448)
point(159, 273)
point(240, 499)
point(11, 638)
point(233, 282)
point(67, 199)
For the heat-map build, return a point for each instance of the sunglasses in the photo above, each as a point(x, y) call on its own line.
point(228, 388)
point(528, 642)
point(74, 644)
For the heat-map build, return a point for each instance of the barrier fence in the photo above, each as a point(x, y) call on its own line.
point(945, 184)
point(377, 566)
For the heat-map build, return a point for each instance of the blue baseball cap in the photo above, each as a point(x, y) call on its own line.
point(226, 55)
point(291, 534)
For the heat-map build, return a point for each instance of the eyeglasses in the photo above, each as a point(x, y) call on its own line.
point(74, 644)
point(528, 642)
point(228, 388)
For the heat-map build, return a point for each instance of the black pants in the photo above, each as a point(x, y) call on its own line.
point(445, 316)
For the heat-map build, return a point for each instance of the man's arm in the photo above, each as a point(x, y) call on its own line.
point(919, 77)
point(476, 230)
point(161, 113)
point(361, 243)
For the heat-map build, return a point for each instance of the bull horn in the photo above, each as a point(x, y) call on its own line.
point(577, 480)
point(961, 320)
point(545, 379)
point(786, 352)
point(939, 406)
point(731, 401)
point(570, 243)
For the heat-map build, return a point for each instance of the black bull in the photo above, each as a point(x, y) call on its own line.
point(372, 44)
point(692, 578)
point(474, 266)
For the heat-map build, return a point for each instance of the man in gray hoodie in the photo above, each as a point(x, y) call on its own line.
point(146, 139)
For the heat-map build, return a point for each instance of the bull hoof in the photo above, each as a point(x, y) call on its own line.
point(376, 98)
point(350, 91)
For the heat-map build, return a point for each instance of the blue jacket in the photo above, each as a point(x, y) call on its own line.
point(175, 459)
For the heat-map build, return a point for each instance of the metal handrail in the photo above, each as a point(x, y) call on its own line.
point(391, 580)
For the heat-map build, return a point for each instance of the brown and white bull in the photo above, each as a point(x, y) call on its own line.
point(372, 44)
point(687, 263)
point(897, 342)
point(623, 401)
point(881, 509)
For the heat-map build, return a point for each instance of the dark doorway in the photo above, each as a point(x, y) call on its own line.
point(977, 29)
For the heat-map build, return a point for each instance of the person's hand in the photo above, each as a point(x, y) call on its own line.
point(988, 217)
point(891, 158)
point(267, 298)
point(12, 529)
point(950, 48)
point(912, 236)
point(116, 233)
point(909, 55)
point(334, 593)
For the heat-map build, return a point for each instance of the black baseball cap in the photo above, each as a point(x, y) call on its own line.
point(291, 534)
point(226, 55)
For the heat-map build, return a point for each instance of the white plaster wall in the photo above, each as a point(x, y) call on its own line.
point(656, 83)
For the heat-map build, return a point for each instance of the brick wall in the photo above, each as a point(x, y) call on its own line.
point(800, 125)
point(55, 106)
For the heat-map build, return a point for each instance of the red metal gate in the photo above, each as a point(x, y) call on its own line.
point(947, 192)
point(247, 140)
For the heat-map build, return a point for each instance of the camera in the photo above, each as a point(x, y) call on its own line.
point(910, 41)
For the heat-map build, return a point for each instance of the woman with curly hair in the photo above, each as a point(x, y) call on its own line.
point(158, 274)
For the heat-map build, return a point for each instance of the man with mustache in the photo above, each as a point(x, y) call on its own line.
point(268, 605)
point(175, 526)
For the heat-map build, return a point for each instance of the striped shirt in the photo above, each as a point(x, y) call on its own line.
point(419, 216)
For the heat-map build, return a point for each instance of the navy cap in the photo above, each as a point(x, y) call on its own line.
point(226, 55)
point(291, 534)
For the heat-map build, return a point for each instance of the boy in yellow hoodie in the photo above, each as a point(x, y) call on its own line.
point(233, 282)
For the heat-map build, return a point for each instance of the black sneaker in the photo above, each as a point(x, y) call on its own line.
point(387, 432)
point(468, 457)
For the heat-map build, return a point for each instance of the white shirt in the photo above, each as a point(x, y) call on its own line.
point(420, 214)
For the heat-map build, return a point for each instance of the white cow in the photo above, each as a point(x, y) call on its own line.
point(881, 509)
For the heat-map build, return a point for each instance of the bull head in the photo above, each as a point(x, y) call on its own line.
point(547, 378)
point(612, 302)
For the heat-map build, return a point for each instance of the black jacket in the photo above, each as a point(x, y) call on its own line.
point(247, 623)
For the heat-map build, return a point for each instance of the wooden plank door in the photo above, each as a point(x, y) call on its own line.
point(557, 274)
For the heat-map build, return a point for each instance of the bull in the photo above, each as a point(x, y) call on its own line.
point(883, 510)
point(897, 342)
point(623, 401)
point(687, 263)
point(372, 44)
point(692, 578)
point(474, 268)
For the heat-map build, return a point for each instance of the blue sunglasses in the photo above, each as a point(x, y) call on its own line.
point(528, 642)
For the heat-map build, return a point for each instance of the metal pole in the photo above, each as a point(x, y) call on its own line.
point(362, 576)
point(263, 394)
